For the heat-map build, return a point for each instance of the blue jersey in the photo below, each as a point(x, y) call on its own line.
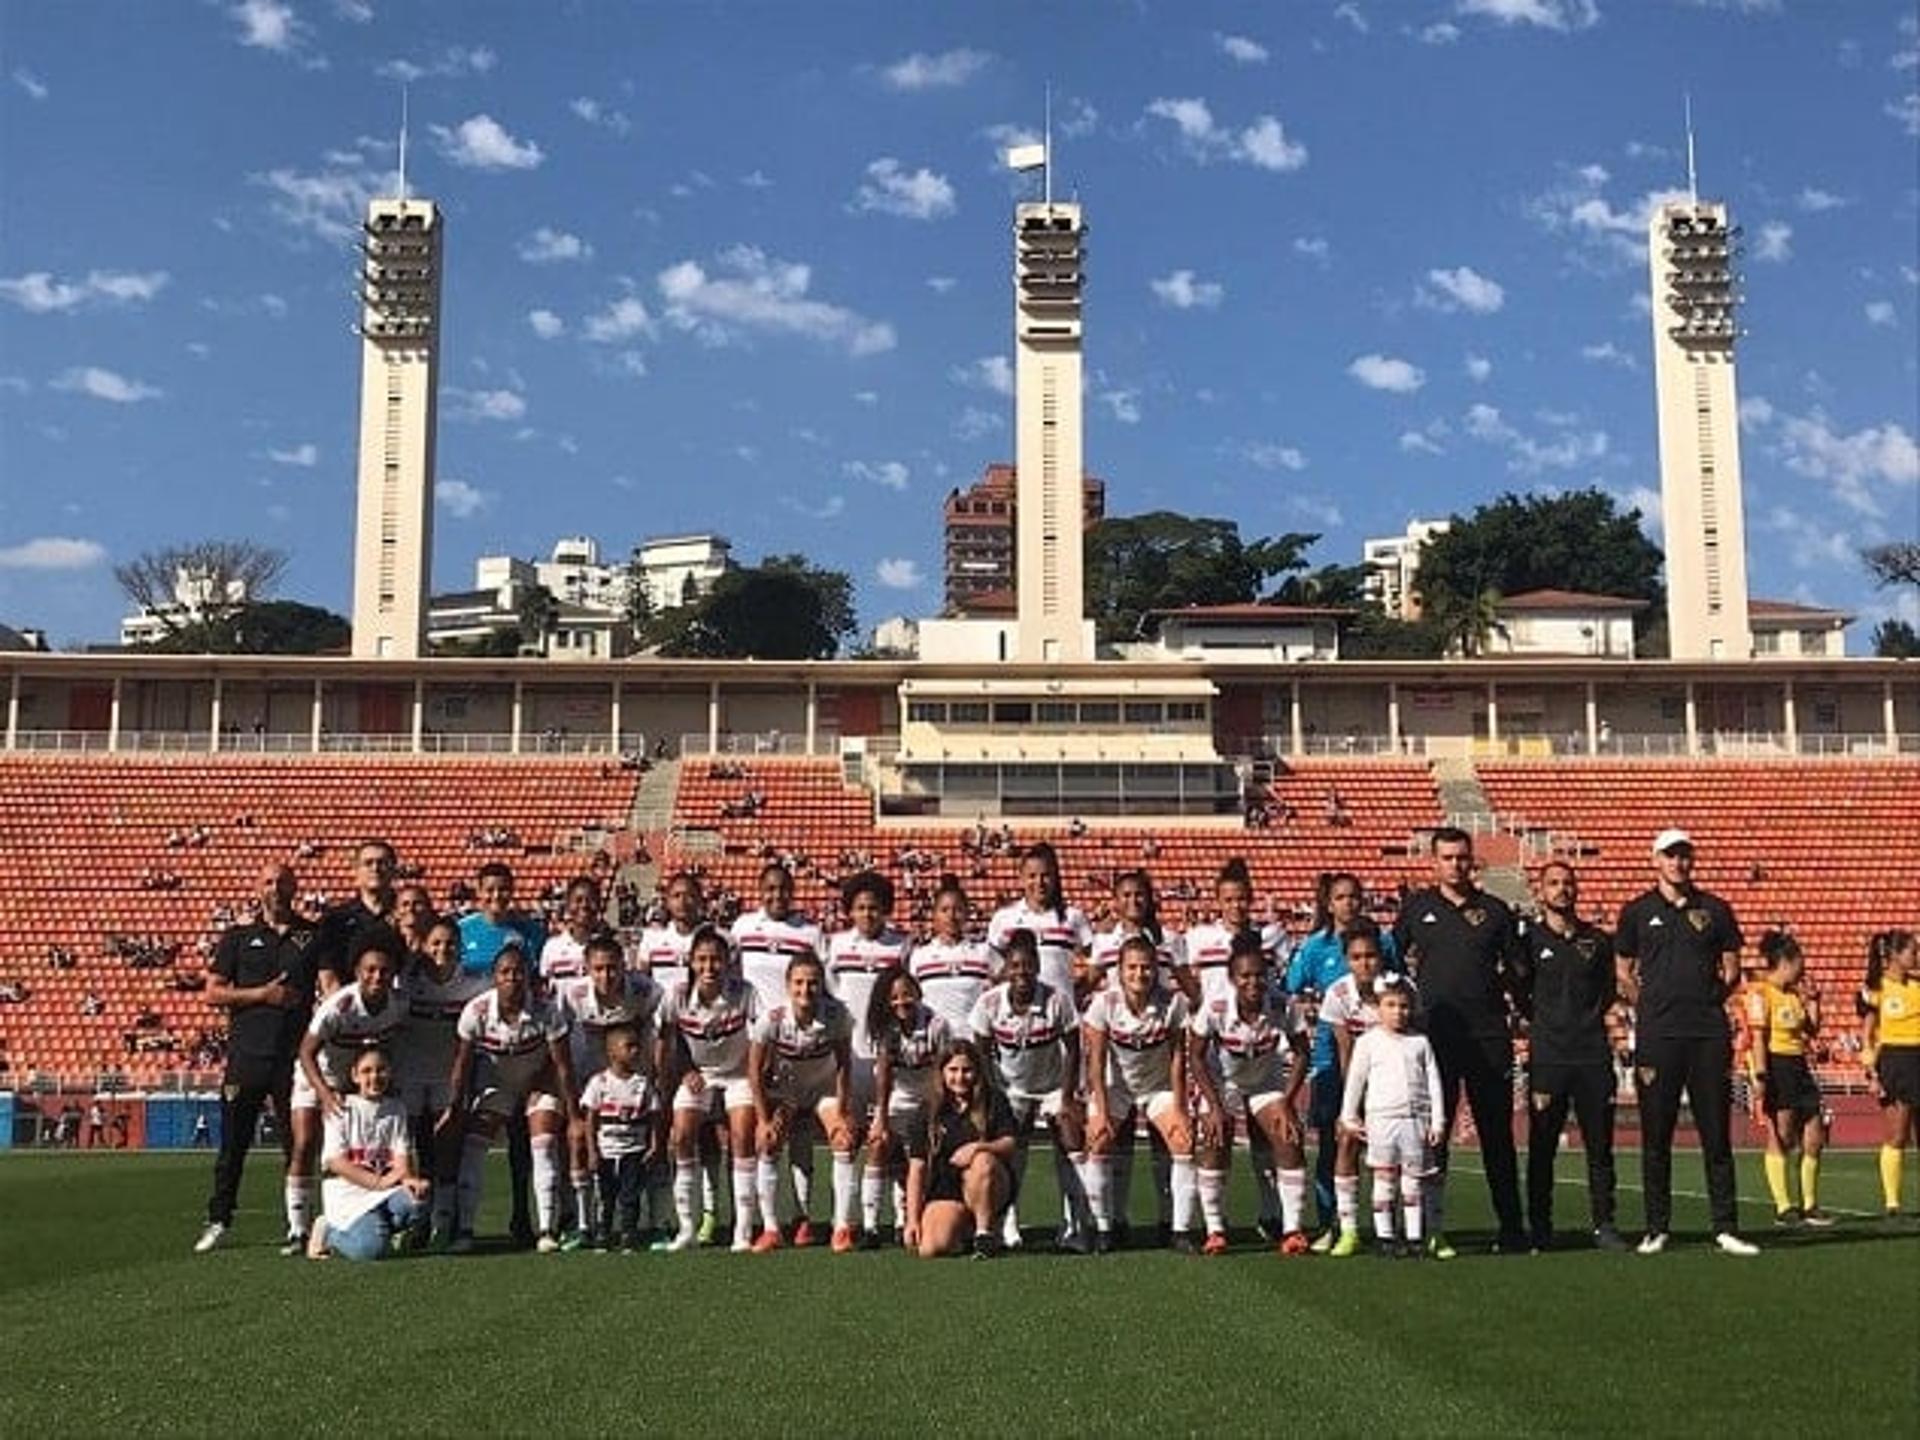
point(481, 941)
point(1320, 960)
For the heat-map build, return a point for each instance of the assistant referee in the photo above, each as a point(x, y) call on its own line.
point(1678, 952)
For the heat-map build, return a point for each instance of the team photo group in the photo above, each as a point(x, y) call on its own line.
point(670, 1092)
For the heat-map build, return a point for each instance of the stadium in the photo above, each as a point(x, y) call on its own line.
point(145, 795)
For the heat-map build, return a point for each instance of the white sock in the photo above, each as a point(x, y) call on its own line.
point(1095, 1176)
point(800, 1162)
point(546, 1180)
point(767, 1176)
point(1293, 1198)
point(1180, 1181)
point(586, 1211)
point(710, 1185)
point(873, 1186)
point(686, 1194)
point(1010, 1226)
point(1068, 1170)
point(1383, 1204)
point(1346, 1200)
point(1410, 1206)
point(299, 1201)
point(897, 1195)
point(743, 1198)
point(1435, 1191)
point(1212, 1185)
point(473, 1175)
point(846, 1186)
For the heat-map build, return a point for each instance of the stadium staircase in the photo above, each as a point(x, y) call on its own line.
point(1465, 801)
point(649, 819)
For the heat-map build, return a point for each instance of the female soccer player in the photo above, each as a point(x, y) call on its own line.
point(436, 990)
point(663, 948)
point(764, 940)
point(1257, 1040)
point(1136, 911)
point(953, 970)
point(563, 958)
point(908, 1037)
point(372, 1192)
point(799, 1064)
point(702, 1062)
point(856, 958)
point(1890, 1000)
point(960, 1170)
point(608, 995)
point(413, 916)
point(1348, 1012)
point(624, 1131)
point(1060, 931)
point(513, 1053)
point(1032, 1033)
point(1136, 1062)
point(1392, 1100)
point(1782, 1017)
point(1209, 947)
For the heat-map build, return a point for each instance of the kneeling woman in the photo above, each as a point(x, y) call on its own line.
point(371, 1191)
point(960, 1167)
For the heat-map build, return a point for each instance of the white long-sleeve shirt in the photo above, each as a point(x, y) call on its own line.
point(1392, 1076)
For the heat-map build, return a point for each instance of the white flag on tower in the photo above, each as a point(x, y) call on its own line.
point(1027, 157)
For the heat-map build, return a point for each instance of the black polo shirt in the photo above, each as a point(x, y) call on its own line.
point(1466, 958)
point(947, 1130)
point(334, 942)
point(1573, 986)
point(1678, 948)
point(250, 955)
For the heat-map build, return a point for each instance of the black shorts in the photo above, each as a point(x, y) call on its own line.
point(1899, 1070)
point(1790, 1088)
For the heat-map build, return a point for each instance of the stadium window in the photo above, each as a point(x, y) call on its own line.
point(1013, 712)
point(1056, 712)
point(967, 712)
point(1143, 712)
point(927, 712)
point(1099, 712)
point(1813, 642)
point(1186, 710)
point(1766, 642)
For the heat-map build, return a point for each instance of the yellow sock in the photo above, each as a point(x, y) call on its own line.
point(1777, 1181)
point(1890, 1175)
point(1810, 1181)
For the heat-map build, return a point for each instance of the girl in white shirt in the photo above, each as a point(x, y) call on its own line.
point(371, 1195)
point(1392, 1101)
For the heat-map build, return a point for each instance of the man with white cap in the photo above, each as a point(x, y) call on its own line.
point(1678, 951)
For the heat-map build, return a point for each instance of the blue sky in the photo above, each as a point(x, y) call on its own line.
point(745, 267)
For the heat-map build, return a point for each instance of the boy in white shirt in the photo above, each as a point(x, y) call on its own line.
point(1393, 1081)
point(624, 1133)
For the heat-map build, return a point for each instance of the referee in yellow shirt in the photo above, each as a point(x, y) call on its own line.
point(1782, 1015)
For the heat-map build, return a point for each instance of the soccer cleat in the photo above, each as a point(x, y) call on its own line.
point(765, 1243)
point(1438, 1248)
point(707, 1228)
point(844, 1239)
point(1608, 1238)
point(1183, 1245)
point(575, 1240)
point(210, 1237)
point(1104, 1242)
point(685, 1240)
point(1510, 1242)
point(1729, 1243)
point(1818, 1218)
point(984, 1247)
point(741, 1245)
point(802, 1233)
point(1270, 1230)
point(869, 1240)
point(293, 1246)
point(1652, 1244)
point(1296, 1243)
point(521, 1235)
point(546, 1244)
point(1071, 1242)
point(1346, 1247)
point(1386, 1250)
point(462, 1243)
point(1324, 1242)
point(1789, 1218)
point(1215, 1244)
point(1409, 1250)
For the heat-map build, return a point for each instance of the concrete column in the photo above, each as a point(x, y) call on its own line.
point(419, 714)
point(1393, 715)
point(13, 709)
point(1593, 720)
point(319, 711)
point(213, 717)
point(1296, 723)
point(519, 701)
point(813, 712)
point(1493, 713)
point(1693, 722)
point(1789, 716)
point(1887, 713)
point(113, 718)
point(713, 717)
point(613, 719)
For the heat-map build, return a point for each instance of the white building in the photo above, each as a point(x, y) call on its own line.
point(1255, 634)
point(897, 636)
point(676, 569)
point(1564, 622)
point(681, 568)
point(1783, 631)
point(193, 593)
point(1392, 562)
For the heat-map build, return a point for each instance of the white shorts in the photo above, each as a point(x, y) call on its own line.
point(1028, 1108)
point(1401, 1143)
point(503, 1100)
point(305, 1097)
point(426, 1096)
point(1251, 1105)
point(1122, 1103)
point(715, 1097)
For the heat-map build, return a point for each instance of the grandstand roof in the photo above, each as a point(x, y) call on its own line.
point(1567, 600)
point(1787, 610)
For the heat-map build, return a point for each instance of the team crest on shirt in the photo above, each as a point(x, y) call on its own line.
point(1474, 915)
point(1587, 946)
point(1647, 1074)
point(1541, 1100)
point(1699, 920)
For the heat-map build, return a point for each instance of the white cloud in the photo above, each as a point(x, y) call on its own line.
point(360, 12)
point(1745, 7)
point(973, 423)
point(623, 319)
point(459, 499)
point(989, 372)
point(1413, 442)
point(1814, 545)
point(1239, 48)
point(941, 284)
point(269, 25)
point(595, 113)
point(34, 87)
point(105, 385)
point(1814, 200)
point(1756, 412)
point(484, 404)
point(829, 509)
point(1313, 247)
point(913, 195)
point(1775, 242)
point(1265, 455)
point(546, 324)
point(1645, 499)
point(1879, 312)
point(1577, 207)
point(1608, 353)
point(1317, 508)
point(889, 473)
point(481, 142)
point(1906, 110)
point(898, 574)
point(1441, 32)
point(303, 456)
point(1853, 465)
point(1478, 368)
point(329, 203)
point(52, 552)
point(756, 180)
point(756, 293)
point(1381, 372)
point(40, 293)
point(866, 397)
point(944, 71)
point(1263, 144)
point(1122, 403)
point(1562, 15)
point(1183, 292)
point(547, 246)
point(1462, 288)
point(1351, 13)
point(1528, 455)
point(1075, 118)
point(456, 62)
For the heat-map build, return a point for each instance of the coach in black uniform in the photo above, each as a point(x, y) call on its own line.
point(372, 904)
point(263, 975)
point(1463, 948)
point(1678, 953)
point(1573, 989)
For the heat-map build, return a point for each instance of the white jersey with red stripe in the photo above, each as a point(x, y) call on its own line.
point(1029, 1041)
point(1209, 949)
point(1061, 935)
point(915, 1049)
point(433, 1016)
point(620, 1107)
point(590, 1016)
point(713, 1031)
point(953, 975)
point(1251, 1053)
point(662, 953)
point(510, 1052)
point(763, 947)
point(805, 1054)
point(563, 965)
point(1140, 1043)
point(854, 962)
point(1345, 1007)
point(345, 1027)
point(372, 1134)
point(1170, 954)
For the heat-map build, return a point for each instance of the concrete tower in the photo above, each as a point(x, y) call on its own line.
point(399, 386)
point(1690, 250)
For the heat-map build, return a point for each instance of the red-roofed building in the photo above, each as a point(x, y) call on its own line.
point(1782, 630)
point(1564, 622)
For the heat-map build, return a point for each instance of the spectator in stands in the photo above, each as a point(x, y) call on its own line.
point(1336, 810)
point(60, 958)
point(263, 977)
point(14, 993)
point(1463, 947)
point(96, 1125)
point(372, 904)
point(1678, 950)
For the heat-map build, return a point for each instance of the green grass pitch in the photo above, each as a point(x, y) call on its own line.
point(113, 1326)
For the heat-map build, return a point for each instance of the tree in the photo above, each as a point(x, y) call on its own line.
point(1579, 541)
point(1136, 564)
point(781, 609)
point(539, 616)
point(219, 576)
point(1896, 640)
point(272, 627)
point(638, 608)
point(1895, 564)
